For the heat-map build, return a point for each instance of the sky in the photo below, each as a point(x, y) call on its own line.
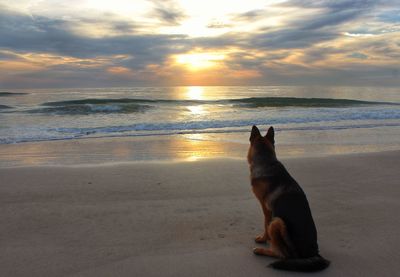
point(106, 43)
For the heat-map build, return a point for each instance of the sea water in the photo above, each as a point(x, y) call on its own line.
point(309, 114)
point(63, 114)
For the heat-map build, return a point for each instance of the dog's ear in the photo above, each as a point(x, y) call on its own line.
point(254, 133)
point(271, 135)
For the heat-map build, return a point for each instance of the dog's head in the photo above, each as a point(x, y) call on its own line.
point(262, 148)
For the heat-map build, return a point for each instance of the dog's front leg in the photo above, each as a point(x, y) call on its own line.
point(267, 219)
point(259, 190)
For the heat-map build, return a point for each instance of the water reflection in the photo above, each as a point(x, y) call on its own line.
point(195, 93)
point(161, 148)
point(197, 148)
point(110, 150)
point(197, 110)
point(27, 154)
point(198, 93)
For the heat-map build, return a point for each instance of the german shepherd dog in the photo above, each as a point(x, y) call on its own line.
point(289, 227)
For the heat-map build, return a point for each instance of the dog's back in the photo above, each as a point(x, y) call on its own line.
point(290, 203)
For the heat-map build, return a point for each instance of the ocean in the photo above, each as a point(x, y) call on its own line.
point(347, 114)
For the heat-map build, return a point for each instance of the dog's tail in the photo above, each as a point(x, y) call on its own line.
point(311, 264)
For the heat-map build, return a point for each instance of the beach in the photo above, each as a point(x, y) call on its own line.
point(194, 218)
point(125, 129)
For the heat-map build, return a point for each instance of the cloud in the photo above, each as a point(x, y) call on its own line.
point(312, 41)
point(218, 25)
point(250, 15)
point(358, 55)
point(291, 38)
point(168, 11)
point(392, 16)
point(21, 32)
point(316, 22)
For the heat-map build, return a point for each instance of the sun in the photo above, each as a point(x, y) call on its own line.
point(199, 61)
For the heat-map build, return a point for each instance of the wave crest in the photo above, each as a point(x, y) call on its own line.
point(7, 93)
point(86, 109)
point(5, 107)
point(132, 105)
point(257, 102)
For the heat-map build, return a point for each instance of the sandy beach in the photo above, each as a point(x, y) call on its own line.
point(191, 218)
point(125, 128)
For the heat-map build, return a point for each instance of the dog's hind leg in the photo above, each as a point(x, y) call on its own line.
point(279, 241)
point(265, 252)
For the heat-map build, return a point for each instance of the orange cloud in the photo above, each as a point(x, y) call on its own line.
point(119, 70)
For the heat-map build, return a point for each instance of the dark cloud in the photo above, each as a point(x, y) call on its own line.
point(292, 38)
point(43, 35)
point(168, 11)
point(169, 16)
point(331, 4)
point(392, 16)
point(324, 25)
point(328, 19)
point(123, 27)
point(358, 55)
point(250, 15)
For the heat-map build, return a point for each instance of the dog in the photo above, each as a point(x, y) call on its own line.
point(289, 226)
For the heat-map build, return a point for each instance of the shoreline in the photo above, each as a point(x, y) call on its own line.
point(191, 218)
point(198, 160)
point(193, 147)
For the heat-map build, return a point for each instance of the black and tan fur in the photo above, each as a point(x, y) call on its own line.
point(289, 227)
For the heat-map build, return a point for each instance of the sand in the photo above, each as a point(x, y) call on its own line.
point(191, 218)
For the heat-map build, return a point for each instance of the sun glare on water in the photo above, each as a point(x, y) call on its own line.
point(194, 93)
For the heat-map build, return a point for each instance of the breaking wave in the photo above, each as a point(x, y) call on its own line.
point(5, 107)
point(90, 108)
point(7, 93)
point(129, 105)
